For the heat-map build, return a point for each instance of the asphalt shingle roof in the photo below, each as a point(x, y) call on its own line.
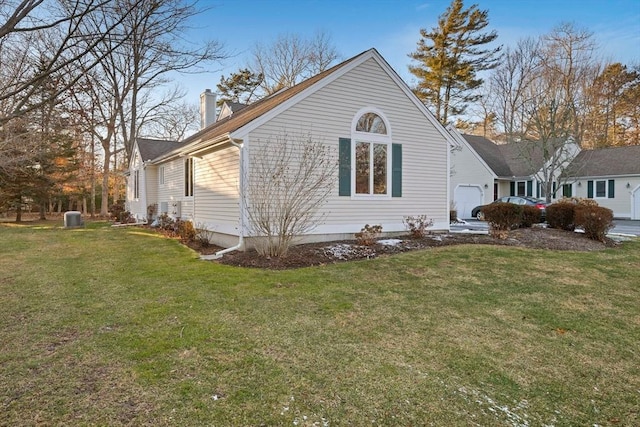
point(608, 161)
point(152, 148)
point(253, 111)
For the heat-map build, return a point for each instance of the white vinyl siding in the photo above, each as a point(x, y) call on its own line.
point(468, 170)
point(328, 115)
point(216, 191)
point(173, 189)
point(136, 187)
point(621, 204)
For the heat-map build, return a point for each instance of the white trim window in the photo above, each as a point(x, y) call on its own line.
point(161, 175)
point(136, 184)
point(188, 177)
point(371, 154)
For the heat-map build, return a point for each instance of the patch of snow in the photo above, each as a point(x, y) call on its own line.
point(390, 242)
point(459, 222)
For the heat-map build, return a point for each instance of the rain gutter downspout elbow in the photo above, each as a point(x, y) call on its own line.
point(240, 245)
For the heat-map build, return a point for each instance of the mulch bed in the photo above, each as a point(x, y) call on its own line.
point(332, 252)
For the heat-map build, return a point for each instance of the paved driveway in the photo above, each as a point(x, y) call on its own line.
point(622, 226)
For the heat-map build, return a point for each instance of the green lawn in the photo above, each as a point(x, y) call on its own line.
point(106, 326)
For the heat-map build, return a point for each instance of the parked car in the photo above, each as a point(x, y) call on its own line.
point(516, 200)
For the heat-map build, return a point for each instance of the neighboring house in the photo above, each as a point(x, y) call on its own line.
point(610, 176)
point(228, 108)
point(483, 171)
point(144, 176)
point(202, 178)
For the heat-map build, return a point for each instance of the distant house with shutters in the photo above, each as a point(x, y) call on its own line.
point(393, 156)
point(610, 176)
point(483, 171)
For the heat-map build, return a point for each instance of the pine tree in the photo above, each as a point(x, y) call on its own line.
point(240, 86)
point(449, 58)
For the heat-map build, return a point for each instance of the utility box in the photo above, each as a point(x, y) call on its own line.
point(176, 209)
point(73, 219)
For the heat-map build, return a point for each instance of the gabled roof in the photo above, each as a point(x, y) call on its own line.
point(235, 106)
point(491, 154)
point(610, 161)
point(152, 148)
point(251, 112)
point(263, 109)
point(516, 159)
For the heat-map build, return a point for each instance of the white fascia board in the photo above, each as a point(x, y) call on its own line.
point(196, 145)
point(370, 54)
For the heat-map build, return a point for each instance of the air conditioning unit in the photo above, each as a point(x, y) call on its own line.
point(176, 209)
point(73, 219)
point(164, 207)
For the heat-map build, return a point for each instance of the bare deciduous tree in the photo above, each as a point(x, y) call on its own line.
point(290, 180)
point(290, 59)
point(50, 34)
point(540, 92)
point(124, 88)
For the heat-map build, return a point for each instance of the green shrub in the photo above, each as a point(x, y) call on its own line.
point(417, 225)
point(562, 215)
point(530, 215)
point(502, 217)
point(368, 234)
point(595, 220)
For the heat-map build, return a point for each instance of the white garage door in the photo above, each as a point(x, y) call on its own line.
point(636, 204)
point(466, 198)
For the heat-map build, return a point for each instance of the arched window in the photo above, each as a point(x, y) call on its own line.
point(371, 154)
point(371, 122)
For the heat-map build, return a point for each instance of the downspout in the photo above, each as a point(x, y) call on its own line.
point(240, 245)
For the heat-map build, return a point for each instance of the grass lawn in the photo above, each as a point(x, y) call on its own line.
point(106, 326)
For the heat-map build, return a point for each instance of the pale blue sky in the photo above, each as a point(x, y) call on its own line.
point(392, 27)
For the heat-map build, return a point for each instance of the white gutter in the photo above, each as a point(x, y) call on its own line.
point(240, 245)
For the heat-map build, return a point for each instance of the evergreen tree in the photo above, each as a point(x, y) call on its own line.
point(241, 86)
point(449, 58)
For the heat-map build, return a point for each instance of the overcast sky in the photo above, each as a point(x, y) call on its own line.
point(392, 27)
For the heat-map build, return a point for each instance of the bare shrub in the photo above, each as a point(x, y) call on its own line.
point(596, 221)
point(185, 231)
point(368, 235)
point(530, 215)
point(417, 225)
point(203, 235)
point(291, 177)
point(561, 215)
point(502, 217)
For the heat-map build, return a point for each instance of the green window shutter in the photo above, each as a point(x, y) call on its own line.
point(396, 170)
point(537, 189)
point(529, 188)
point(590, 189)
point(344, 167)
point(555, 189)
point(612, 189)
point(512, 188)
